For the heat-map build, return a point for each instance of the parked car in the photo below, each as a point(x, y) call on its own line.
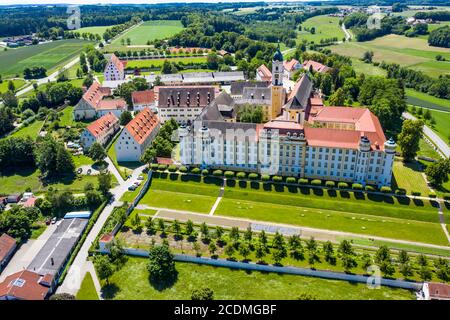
point(141, 177)
point(132, 187)
point(137, 183)
point(53, 220)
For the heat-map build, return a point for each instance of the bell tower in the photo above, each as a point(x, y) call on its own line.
point(278, 92)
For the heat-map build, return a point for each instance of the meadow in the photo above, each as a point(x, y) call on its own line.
point(157, 63)
point(411, 52)
point(418, 98)
point(18, 83)
point(100, 30)
point(326, 27)
point(132, 282)
point(49, 55)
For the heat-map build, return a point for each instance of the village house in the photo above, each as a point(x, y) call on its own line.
point(311, 65)
point(101, 130)
point(114, 69)
point(137, 136)
point(143, 99)
point(290, 67)
point(25, 285)
point(263, 74)
point(7, 247)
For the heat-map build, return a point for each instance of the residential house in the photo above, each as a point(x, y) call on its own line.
point(114, 69)
point(263, 74)
point(290, 67)
point(311, 65)
point(7, 247)
point(101, 131)
point(25, 285)
point(143, 99)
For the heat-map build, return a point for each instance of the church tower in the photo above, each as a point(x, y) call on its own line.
point(278, 92)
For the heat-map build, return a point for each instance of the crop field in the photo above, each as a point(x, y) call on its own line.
point(94, 30)
point(326, 27)
point(150, 30)
point(131, 64)
point(421, 99)
point(48, 55)
point(412, 52)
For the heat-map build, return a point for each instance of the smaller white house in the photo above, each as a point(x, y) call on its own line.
point(115, 69)
point(143, 99)
point(137, 136)
point(101, 131)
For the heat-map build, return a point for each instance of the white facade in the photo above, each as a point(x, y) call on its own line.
point(112, 72)
point(128, 149)
point(179, 114)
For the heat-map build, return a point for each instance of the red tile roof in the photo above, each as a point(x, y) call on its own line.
point(30, 202)
point(142, 125)
point(95, 94)
point(316, 66)
point(7, 243)
point(107, 237)
point(264, 72)
point(112, 104)
point(439, 290)
point(316, 102)
point(102, 124)
point(161, 160)
point(143, 97)
point(24, 285)
point(117, 63)
point(289, 65)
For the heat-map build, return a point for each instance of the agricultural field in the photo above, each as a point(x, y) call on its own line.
point(149, 31)
point(411, 52)
point(100, 30)
point(49, 55)
point(421, 99)
point(18, 83)
point(367, 68)
point(131, 282)
point(157, 63)
point(326, 27)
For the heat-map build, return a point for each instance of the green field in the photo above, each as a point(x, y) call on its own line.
point(17, 84)
point(100, 30)
point(131, 282)
point(409, 177)
point(421, 99)
point(31, 130)
point(326, 27)
point(150, 30)
point(441, 127)
point(49, 55)
point(159, 62)
point(367, 68)
point(427, 151)
point(87, 290)
point(411, 52)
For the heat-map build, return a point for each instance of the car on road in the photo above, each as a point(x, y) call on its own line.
point(141, 177)
point(137, 183)
point(132, 187)
point(54, 220)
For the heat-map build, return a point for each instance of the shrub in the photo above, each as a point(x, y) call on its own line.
point(342, 185)
point(370, 188)
point(253, 176)
point(316, 182)
point(195, 170)
point(183, 169)
point(400, 192)
point(302, 181)
point(154, 166)
point(217, 173)
point(291, 180)
point(162, 167)
point(241, 175)
point(277, 179)
point(386, 189)
point(432, 195)
point(228, 174)
point(416, 193)
point(205, 172)
point(357, 186)
point(172, 168)
point(265, 177)
point(330, 184)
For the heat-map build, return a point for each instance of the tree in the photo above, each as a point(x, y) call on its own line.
point(150, 225)
point(189, 229)
point(229, 251)
point(424, 273)
point(422, 260)
point(409, 138)
point(125, 118)
point(161, 226)
point(10, 100)
point(263, 239)
point(97, 152)
point(442, 269)
point(366, 261)
point(248, 234)
point(161, 265)
point(437, 172)
point(136, 223)
point(244, 250)
point(149, 155)
point(234, 234)
point(104, 182)
point(329, 253)
point(202, 294)
point(368, 56)
point(103, 267)
point(212, 61)
point(11, 86)
point(337, 98)
point(326, 84)
point(176, 228)
point(62, 296)
point(260, 252)
point(205, 232)
point(212, 248)
point(279, 254)
point(53, 159)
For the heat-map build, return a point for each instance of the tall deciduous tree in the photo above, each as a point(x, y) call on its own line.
point(409, 138)
point(161, 264)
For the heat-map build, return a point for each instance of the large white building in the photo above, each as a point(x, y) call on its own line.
point(101, 131)
point(114, 69)
point(137, 136)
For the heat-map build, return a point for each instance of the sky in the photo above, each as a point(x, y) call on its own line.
point(9, 2)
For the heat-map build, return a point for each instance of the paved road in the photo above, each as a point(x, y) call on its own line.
point(441, 144)
point(78, 268)
point(112, 168)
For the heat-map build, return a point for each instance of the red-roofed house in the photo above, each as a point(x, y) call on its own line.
point(137, 136)
point(435, 291)
point(263, 74)
point(143, 99)
point(290, 67)
point(7, 247)
point(314, 65)
point(101, 130)
point(93, 103)
point(30, 202)
point(25, 285)
point(115, 69)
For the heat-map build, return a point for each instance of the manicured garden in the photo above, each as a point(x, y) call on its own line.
point(131, 282)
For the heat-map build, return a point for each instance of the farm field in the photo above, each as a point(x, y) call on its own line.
point(48, 55)
point(421, 99)
point(131, 282)
point(94, 30)
point(17, 84)
point(367, 68)
point(326, 27)
point(150, 30)
point(398, 49)
point(131, 64)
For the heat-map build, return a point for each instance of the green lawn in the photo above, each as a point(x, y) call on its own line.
point(31, 130)
point(124, 168)
point(100, 30)
point(409, 177)
point(131, 283)
point(150, 30)
point(66, 117)
point(155, 63)
point(17, 84)
point(425, 100)
point(427, 151)
point(87, 290)
point(367, 68)
point(326, 27)
point(442, 127)
point(411, 52)
point(82, 160)
point(48, 55)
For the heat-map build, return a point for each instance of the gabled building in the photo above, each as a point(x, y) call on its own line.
point(96, 103)
point(7, 247)
point(311, 65)
point(144, 99)
point(25, 285)
point(101, 130)
point(115, 69)
point(263, 74)
point(290, 67)
point(137, 136)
